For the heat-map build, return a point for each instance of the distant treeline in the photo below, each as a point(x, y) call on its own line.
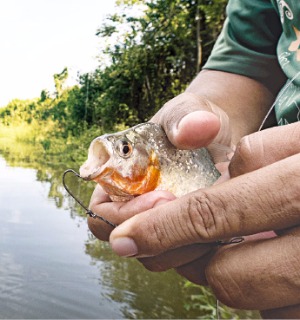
point(149, 58)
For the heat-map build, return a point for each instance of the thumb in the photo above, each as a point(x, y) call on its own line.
point(192, 122)
point(196, 129)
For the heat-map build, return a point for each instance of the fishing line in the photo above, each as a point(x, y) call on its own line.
point(95, 216)
point(88, 211)
point(235, 240)
point(241, 239)
point(277, 99)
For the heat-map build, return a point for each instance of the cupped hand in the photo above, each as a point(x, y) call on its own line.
point(264, 273)
point(263, 195)
point(189, 122)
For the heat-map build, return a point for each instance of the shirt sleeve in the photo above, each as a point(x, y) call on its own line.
point(248, 41)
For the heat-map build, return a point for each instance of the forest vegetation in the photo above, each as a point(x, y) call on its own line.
point(149, 58)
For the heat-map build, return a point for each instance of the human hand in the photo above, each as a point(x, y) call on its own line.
point(261, 274)
point(192, 122)
point(118, 212)
point(189, 122)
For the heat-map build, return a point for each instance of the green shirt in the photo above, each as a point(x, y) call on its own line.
point(261, 39)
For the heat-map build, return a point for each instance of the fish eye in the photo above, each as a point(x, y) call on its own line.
point(123, 148)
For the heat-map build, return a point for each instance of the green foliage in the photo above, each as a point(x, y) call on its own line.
point(46, 144)
point(44, 95)
point(59, 81)
point(155, 58)
point(153, 55)
point(203, 300)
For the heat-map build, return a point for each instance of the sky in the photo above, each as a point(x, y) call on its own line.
point(39, 38)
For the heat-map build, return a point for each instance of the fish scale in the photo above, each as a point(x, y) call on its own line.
point(141, 159)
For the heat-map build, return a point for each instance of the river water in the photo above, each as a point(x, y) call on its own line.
point(51, 267)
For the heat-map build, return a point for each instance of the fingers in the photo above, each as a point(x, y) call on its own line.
point(260, 274)
point(192, 122)
point(262, 148)
point(101, 204)
point(195, 270)
point(188, 261)
point(176, 258)
point(265, 199)
point(118, 212)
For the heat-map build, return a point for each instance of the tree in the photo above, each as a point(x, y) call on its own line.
point(44, 95)
point(156, 56)
point(59, 81)
point(152, 56)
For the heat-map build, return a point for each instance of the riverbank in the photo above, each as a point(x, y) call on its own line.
point(41, 148)
point(46, 234)
point(31, 144)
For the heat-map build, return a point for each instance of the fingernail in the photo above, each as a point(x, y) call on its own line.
point(124, 247)
point(192, 116)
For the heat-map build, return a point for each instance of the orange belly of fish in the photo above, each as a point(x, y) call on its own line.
point(140, 182)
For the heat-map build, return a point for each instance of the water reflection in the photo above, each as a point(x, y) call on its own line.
point(39, 266)
point(146, 295)
point(52, 267)
point(44, 272)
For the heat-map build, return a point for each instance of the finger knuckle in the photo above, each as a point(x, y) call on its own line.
point(160, 232)
point(204, 216)
point(224, 283)
point(242, 158)
point(288, 189)
point(157, 233)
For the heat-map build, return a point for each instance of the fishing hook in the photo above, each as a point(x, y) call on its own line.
point(95, 216)
point(88, 211)
point(235, 240)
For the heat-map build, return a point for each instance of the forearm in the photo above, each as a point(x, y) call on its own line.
point(245, 100)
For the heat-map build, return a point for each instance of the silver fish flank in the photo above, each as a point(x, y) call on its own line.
point(141, 159)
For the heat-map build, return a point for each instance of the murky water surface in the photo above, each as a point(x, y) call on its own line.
point(52, 267)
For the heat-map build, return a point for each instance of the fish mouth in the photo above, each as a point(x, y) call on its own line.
point(98, 156)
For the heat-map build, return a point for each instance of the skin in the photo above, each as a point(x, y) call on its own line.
point(263, 194)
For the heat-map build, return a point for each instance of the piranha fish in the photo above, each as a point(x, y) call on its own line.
point(141, 159)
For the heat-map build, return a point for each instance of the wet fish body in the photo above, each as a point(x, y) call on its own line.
point(141, 159)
